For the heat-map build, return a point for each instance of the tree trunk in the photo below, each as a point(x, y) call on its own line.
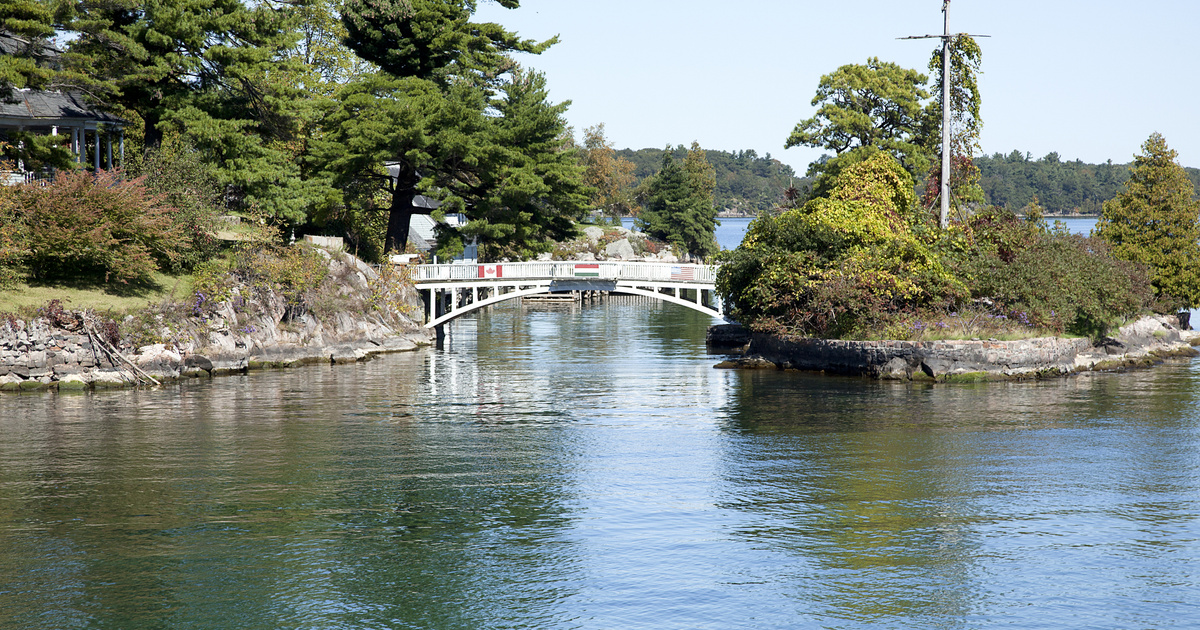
point(401, 211)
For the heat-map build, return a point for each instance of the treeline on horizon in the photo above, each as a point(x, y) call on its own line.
point(750, 183)
point(745, 181)
point(1072, 187)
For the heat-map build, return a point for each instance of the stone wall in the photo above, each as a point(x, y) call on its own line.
point(1140, 343)
point(252, 330)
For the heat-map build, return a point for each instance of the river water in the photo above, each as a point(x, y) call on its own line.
point(555, 468)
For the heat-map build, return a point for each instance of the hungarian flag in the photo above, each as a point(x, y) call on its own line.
point(490, 271)
point(587, 271)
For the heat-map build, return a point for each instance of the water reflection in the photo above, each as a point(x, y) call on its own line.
point(950, 506)
point(589, 469)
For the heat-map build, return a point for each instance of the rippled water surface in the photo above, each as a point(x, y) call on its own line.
point(588, 468)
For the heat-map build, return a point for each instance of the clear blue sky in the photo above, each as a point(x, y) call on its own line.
point(1090, 80)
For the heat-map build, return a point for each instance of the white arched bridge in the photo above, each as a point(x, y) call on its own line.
point(457, 289)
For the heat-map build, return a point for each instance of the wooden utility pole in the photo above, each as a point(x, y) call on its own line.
point(946, 37)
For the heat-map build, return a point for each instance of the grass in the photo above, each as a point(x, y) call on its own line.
point(81, 294)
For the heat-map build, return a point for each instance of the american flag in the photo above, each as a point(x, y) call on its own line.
point(683, 273)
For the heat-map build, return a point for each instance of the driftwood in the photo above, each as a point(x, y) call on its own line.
point(114, 354)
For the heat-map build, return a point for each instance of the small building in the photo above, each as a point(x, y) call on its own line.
point(91, 132)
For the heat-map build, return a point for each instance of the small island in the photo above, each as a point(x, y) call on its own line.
point(862, 280)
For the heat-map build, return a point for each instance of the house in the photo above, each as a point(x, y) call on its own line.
point(92, 133)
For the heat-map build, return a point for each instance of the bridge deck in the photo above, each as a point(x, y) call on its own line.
point(500, 272)
point(457, 289)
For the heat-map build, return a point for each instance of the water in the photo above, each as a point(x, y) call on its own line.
point(587, 468)
point(731, 230)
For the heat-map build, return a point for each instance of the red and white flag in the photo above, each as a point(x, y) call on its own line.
point(683, 273)
point(490, 271)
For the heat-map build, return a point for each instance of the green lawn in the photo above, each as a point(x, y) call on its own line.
point(84, 294)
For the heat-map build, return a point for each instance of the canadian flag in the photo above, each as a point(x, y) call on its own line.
point(490, 271)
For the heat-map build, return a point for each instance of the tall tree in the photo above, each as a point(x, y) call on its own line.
point(26, 27)
point(449, 69)
point(530, 189)
point(1155, 221)
point(609, 175)
point(679, 205)
point(865, 109)
point(204, 68)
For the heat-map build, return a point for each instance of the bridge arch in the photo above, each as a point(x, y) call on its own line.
point(455, 290)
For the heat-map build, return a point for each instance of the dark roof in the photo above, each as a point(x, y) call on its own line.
point(24, 47)
point(36, 105)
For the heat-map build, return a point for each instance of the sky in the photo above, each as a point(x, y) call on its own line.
point(1090, 80)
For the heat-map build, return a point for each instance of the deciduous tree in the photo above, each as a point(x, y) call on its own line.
point(609, 175)
point(965, 124)
point(864, 109)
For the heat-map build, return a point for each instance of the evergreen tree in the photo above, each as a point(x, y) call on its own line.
point(26, 25)
point(1155, 221)
point(203, 69)
point(442, 72)
point(530, 190)
point(679, 207)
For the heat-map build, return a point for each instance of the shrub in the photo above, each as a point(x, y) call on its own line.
point(176, 172)
point(1051, 279)
point(840, 265)
point(296, 272)
point(14, 245)
point(94, 225)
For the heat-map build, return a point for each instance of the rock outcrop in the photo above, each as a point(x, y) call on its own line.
point(1141, 343)
point(250, 330)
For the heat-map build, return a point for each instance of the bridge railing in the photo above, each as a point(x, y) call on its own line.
point(633, 271)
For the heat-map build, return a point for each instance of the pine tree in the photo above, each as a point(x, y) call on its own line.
point(531, 189)
point(1155, 221)
point(204, 69)
point(426, 116)
point(679, 207)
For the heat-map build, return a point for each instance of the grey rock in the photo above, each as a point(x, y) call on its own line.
point(620, 250)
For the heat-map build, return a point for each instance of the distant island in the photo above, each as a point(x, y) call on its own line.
point(748, 183)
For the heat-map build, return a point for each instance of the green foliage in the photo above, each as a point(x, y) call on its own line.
point(84, 225)
point(14, 241)
point(295, 272)
point(679, 207)
point(841, 265)
point(745, 182)
point(204, 68)
point(965, 123)
point(864, 109)
point(429, 116)
point(37, 152)
point(866, 261)
point(433, 39)
point(28, 24)
point(1155, 221)
point(178, 174)
point(1047, 279)
point(530, 191)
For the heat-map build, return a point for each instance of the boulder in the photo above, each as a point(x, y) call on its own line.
point(620, 250)
point(593, 233)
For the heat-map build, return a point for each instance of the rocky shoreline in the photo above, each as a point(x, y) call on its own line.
point(253, 329)
point(1141, 343)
